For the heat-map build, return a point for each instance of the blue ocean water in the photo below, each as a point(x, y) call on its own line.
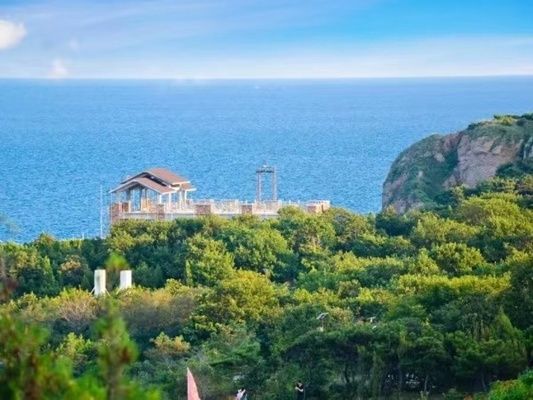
point(61, 141)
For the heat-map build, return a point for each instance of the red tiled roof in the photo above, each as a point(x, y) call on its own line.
point(160, 180)
point(162, 174)
point(167, 176)
point(146, 182)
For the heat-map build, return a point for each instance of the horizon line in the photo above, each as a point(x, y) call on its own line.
point(288, 78)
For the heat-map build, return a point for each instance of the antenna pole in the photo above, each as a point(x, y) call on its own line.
point(259, 188)
point(101, 213)
point(274, 184)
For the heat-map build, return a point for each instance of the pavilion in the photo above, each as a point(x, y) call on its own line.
point(156, 186)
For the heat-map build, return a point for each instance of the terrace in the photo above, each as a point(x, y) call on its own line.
point(159, 194)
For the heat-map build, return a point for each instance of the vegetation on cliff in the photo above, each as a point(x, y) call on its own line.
point(437, 163)
point(425, 303)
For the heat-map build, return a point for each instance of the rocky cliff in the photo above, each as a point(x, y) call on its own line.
point(439, 162)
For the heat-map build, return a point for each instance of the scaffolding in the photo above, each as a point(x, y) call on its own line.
point(268, 172)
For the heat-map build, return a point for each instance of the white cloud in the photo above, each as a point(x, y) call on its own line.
point(59, 69)
point(11, 34)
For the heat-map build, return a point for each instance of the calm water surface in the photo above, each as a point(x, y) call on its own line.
point(60, 141)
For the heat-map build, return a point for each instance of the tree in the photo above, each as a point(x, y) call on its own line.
point(519, 296)
point(27, 372)
point(504, 224)
point(516, 389)
point(426, 357)
point(457, 259)
point(432, 230)
point(305, 233)
point(151, 312)
point(74, 272)
point(261, 249)
point(73, 310)
point(423, 264)
point(394, 224)
point(229, 358)
point(164, 364)
point(206, 261)
point(116, 351)
point(490, 353)
point(243, 297)
point(80, 351)
point(348, 227)
point(31, 271)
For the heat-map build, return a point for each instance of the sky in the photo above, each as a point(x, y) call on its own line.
point(231, 39)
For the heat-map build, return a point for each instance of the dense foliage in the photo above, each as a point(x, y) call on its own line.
point(426, 303)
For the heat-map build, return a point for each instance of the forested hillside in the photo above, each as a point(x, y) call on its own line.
point(423, 304)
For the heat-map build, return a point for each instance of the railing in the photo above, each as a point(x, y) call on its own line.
point(193, 208)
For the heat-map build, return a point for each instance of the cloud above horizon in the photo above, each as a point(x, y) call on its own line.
point(11, 34)
point(58, 70)
point(202, 39)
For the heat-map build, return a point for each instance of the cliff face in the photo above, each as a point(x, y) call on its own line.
point(437, 163)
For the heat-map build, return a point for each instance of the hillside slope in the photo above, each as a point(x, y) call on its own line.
point(440, 162)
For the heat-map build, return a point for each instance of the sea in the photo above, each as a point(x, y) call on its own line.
point(65, 143)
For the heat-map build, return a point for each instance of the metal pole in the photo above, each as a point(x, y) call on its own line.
point(259, 186)
point(274, 185)
point(101, 213)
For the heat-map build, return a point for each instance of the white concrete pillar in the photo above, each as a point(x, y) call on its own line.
point(99, 282)
point(125, 279)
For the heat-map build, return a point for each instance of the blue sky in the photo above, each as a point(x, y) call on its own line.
point(201, 39)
